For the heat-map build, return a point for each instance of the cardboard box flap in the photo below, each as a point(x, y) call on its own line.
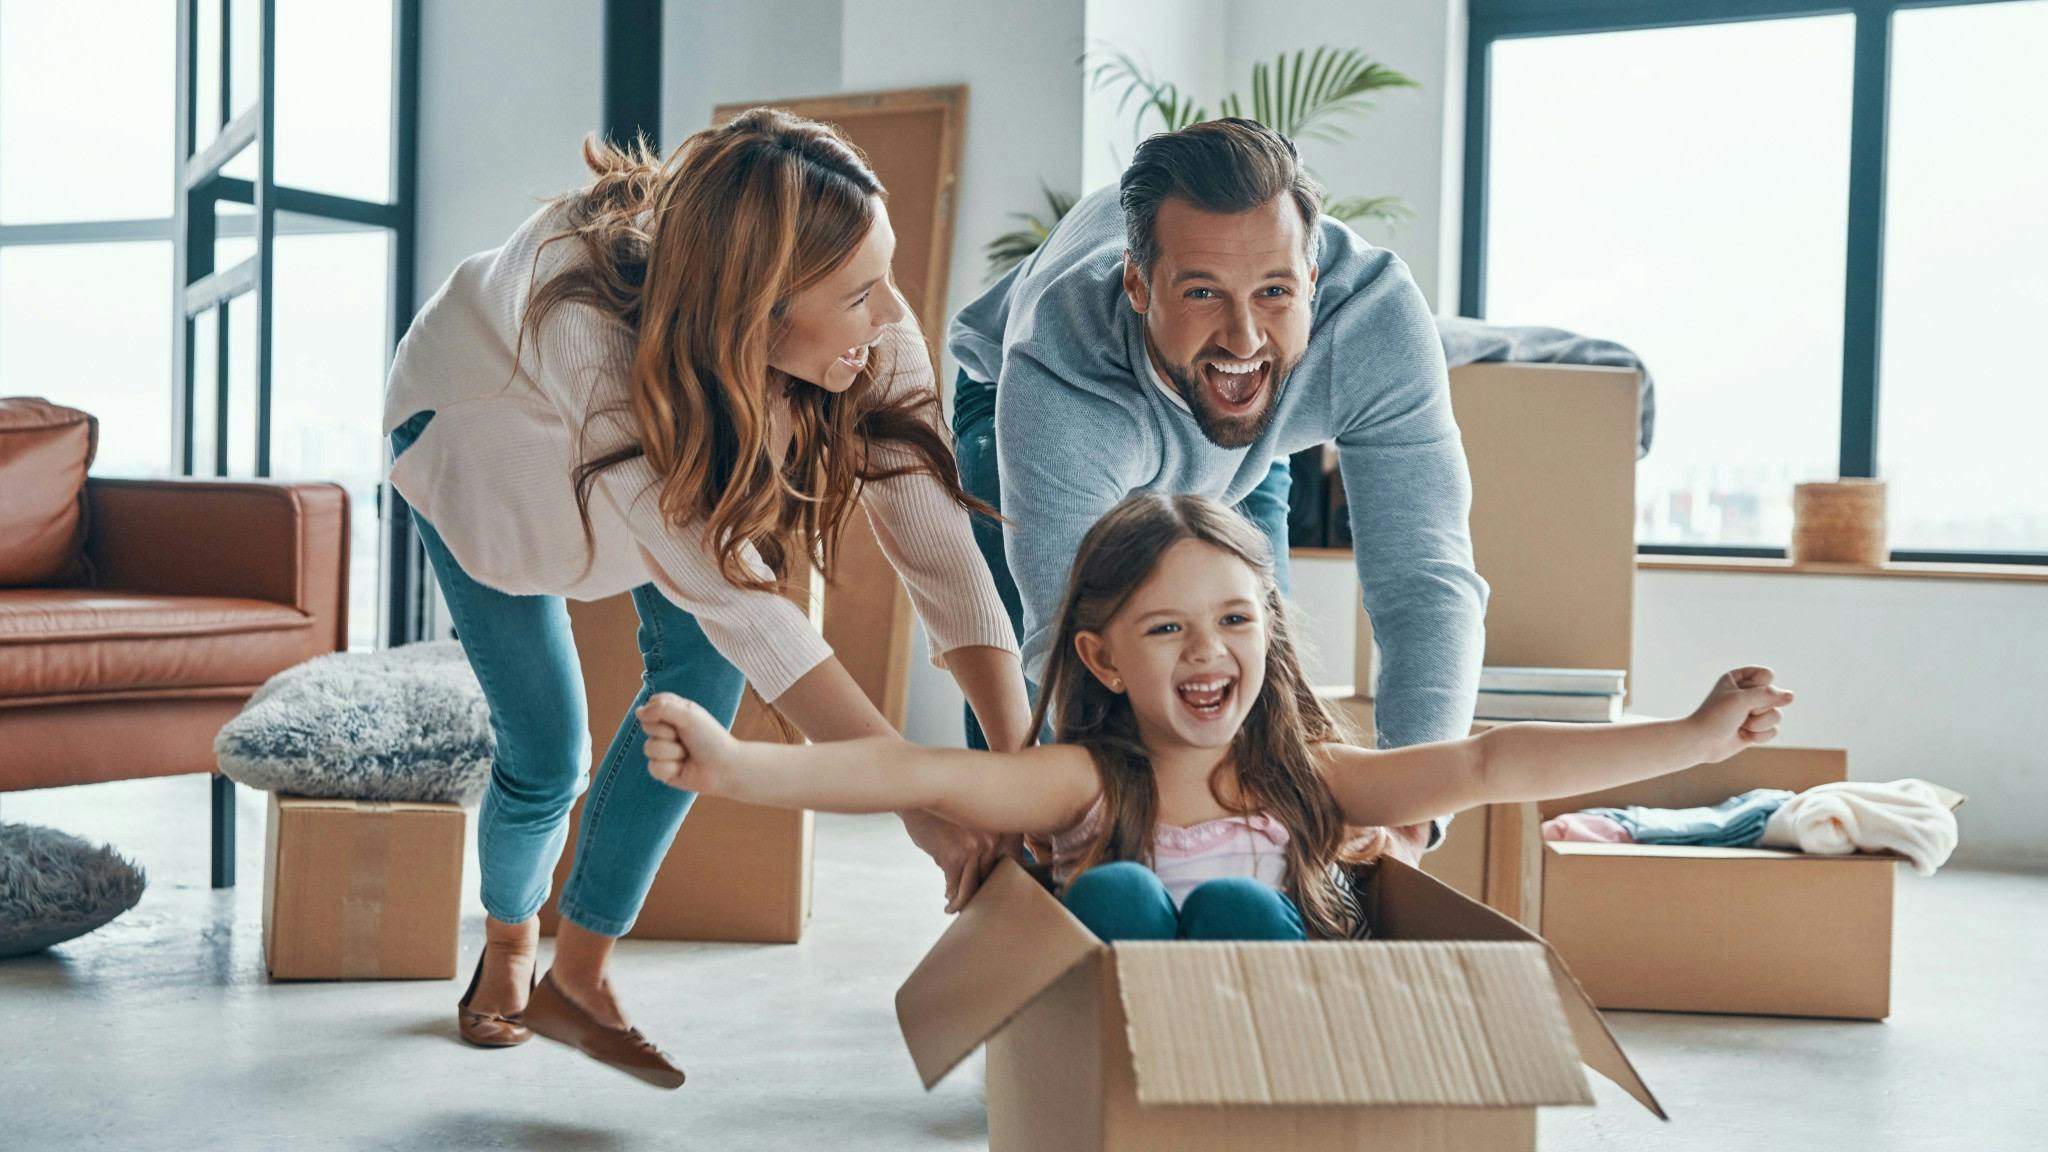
point(1011, 942)
point(1404, 903)
point(1699, 852)
point(1404, 1023)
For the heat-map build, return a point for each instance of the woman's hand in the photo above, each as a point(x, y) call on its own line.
point(966, 856)
point(687, 747)
point(1743, 709)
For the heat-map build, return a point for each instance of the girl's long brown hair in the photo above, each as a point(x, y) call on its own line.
point(700, 256)
point(1273, 755)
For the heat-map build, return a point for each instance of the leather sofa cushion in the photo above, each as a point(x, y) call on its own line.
point(59, 645)
point(45, 450)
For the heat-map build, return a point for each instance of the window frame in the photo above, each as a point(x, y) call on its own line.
point(1491, 21)
point(200, 290)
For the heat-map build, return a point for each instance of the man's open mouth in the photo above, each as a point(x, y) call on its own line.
point(1236, 384)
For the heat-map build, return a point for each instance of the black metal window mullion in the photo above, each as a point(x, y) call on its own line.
point(266, 219)
point(1863, 282)
point(407, 577)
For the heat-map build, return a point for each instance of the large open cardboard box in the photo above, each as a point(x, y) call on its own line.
point(1446, 1031)
point(1736, 930)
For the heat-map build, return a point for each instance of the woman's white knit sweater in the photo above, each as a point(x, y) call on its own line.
point(493, 472)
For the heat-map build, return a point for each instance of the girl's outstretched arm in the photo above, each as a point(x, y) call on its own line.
point(1542, 761)
point(1037, 791)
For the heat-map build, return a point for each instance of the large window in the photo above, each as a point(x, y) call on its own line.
point(85, 218)
point(1818, 253)
point(284, 369)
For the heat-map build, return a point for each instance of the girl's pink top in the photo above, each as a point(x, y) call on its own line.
point(1252, 845)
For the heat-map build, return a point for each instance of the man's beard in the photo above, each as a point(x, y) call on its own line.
point(1219, 429)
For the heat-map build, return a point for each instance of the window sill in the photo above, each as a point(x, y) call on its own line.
point(1752, 566)
point(1896, 570)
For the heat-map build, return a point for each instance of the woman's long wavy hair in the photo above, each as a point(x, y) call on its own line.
point(1273, 757)
point(700, 256)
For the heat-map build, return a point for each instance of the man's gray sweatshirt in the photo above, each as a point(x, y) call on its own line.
point(1079, 426)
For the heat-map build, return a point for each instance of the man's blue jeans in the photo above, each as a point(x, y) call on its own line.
point(525, 658)
point(1128, 901)
point(974, 444)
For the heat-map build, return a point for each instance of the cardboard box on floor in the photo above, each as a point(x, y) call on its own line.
point(735, 872)
point(1444, 1032)
point(1737, 930)
point(361, 890)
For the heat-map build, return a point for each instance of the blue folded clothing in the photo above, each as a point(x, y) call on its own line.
point(1737, 822)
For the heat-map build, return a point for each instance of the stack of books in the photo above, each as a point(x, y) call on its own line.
point(1591, 695)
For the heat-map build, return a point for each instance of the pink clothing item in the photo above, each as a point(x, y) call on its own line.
point(1254, 845)
point(1586, 826)
point(493, 472)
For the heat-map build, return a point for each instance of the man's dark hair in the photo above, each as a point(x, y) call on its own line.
point(1231, 165)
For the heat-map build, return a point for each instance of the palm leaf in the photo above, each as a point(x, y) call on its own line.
point(1164, 99)
point(1387, 210)
point(1012, 248)
point(1306, 94)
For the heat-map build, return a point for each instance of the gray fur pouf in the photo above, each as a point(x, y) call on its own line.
point(54, 886)
point(406, 723)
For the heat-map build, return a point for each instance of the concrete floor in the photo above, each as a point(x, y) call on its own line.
point(161, 1032)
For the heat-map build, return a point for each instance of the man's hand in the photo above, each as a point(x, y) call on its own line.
point(1408, 843)
point(965, 856)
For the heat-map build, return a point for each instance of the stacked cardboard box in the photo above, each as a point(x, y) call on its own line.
point(361, 890)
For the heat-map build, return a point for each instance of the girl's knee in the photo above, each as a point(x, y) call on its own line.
point(1123, 901)
point(1240, 908)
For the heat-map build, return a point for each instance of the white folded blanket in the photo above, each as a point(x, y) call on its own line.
point(1910, 817)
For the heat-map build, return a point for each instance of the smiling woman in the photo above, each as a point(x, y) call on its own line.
point(675, 382)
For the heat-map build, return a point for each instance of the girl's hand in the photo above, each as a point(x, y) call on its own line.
point(1743, 709)
point(686, 747)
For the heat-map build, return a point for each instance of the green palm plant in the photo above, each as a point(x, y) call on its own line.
point(1008, 250)
point(1304, 95)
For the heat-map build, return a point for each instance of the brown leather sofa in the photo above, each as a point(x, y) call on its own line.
point(200, 591)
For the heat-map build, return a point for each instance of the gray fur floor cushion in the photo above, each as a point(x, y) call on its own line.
point(54, 886)
point(407, 723)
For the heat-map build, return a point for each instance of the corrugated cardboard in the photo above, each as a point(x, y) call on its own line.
point(1447, 1031)
point(735, 872)
point(361, 890)
point(1748, 931)
point(1552, 452)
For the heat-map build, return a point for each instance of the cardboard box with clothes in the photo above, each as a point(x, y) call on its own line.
point(1744, 930)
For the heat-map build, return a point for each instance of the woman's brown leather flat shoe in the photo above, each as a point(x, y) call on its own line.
point(555, 1016)
point(488, 1029)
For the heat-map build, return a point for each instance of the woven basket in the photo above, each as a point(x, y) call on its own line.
point(1839, 522)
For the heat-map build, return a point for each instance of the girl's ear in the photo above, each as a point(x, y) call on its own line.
point(1089, 646)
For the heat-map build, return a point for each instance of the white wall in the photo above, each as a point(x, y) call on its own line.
point(763, 50)
point(507, 92)
point(1398, 148)
point(1181, 41)
point(1937, 679)
point(1024, 125)
point(508, 88)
